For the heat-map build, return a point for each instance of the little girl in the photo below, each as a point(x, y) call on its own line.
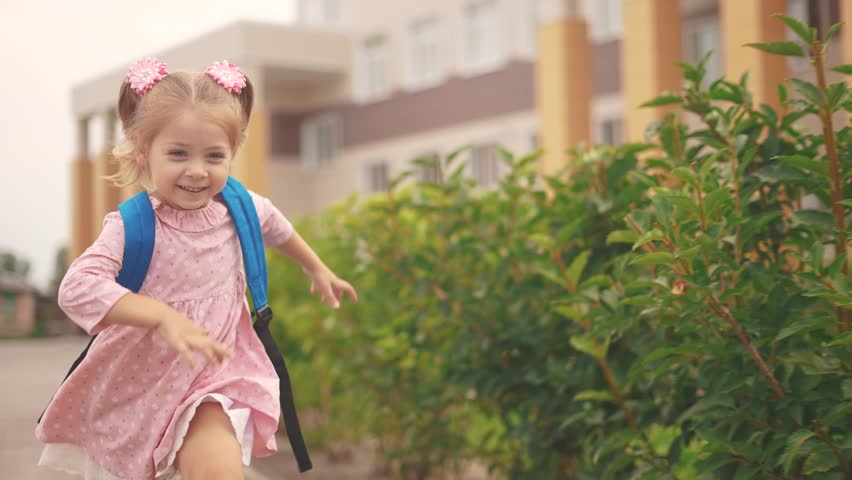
point(177, 384)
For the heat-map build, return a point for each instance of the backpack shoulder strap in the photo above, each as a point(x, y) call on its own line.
point(244, 214)
point(138, 217)
point(137, 214)
point(247, 223)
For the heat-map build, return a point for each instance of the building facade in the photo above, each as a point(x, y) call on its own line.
point(18, 309)
point(350, 92)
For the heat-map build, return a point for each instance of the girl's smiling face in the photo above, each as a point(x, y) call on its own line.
point(188, 161)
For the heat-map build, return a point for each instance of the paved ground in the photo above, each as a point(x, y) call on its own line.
point(30, 372)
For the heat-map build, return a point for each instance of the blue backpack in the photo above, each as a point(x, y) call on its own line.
point(138, 217)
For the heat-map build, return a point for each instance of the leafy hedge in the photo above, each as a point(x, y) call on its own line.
point(671, 309)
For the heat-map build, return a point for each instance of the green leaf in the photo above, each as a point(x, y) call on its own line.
point(809, 217)
point(794, 443)
point(803, 31)
point(836, 94)
point(821, 460)
point(837, 414)
point(589, 346)
point(808, 89)
point(667, 98)
point(779, 172)
point(747, 472)
point(570, 313)
point(663, 207)
point(831, 31)
point(756, 224)
point(653, 258)
point(842, 339)
point(621, 236)
point(543, 241)
point(846, 387)
point(715, 198)
point(569, 231)
point(661, 438)
point(575, 270)
point(804, 163)
point(845, 69)
point(800, 326)
point(782, 93)
point(716, 438)
point(687, 175)
point(653, 235)
point(786, 48)
point(598, 395)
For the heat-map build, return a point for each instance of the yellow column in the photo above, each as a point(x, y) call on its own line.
point(81, 195)
point(563, 85)
point(106, 195)
point(250, 166)
point(846, 31)
point(748, 21)
point(650, 48)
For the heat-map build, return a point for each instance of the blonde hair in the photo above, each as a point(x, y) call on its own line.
point(143, 116)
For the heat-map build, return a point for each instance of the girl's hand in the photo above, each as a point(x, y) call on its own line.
point(330, 288)
point(186, 337)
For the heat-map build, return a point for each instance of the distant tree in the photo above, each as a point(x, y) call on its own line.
point(11, 263)
point(60, 266)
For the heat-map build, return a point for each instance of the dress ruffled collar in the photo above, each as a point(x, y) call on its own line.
point(198, 220)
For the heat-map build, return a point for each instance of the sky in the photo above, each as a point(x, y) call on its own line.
point(46, 47)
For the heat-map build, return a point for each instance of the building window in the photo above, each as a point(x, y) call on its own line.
point(610, 132)
point(817, 14)
point(483, 34)
point(706, 37)
point(425, 53)
point(606, 20)
point(484, 165)
point(372, 80)
point(535, 17)
point(377, 177)
point(426, 173)
point(535, 141)
point(318, 12)
point(320, 140)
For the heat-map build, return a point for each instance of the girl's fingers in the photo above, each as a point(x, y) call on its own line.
point(331, 298)
point(185, 352)
point(351, 291)
point(344, 287)
point(223, 352)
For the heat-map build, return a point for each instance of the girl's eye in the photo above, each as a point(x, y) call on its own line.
point(216, 157)
point(177, 153)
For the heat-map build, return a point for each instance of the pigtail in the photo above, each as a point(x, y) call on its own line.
point(128, 100)
point(246, 98)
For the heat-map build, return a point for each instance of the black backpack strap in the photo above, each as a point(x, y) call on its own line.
point(285, 389)
point(244, 215)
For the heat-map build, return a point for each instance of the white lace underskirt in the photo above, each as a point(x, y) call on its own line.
point(74, 460)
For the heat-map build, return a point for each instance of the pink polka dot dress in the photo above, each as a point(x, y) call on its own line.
point(124, 411)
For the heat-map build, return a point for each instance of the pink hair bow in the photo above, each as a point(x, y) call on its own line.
point(144, 73)
point(228, 75)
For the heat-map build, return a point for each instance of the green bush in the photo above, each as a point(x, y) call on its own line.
point(663, 310)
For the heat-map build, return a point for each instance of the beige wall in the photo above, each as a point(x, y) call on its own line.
point(297, 191)
point(394, 17)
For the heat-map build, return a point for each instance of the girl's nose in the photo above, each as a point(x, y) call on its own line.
point(196, 170)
